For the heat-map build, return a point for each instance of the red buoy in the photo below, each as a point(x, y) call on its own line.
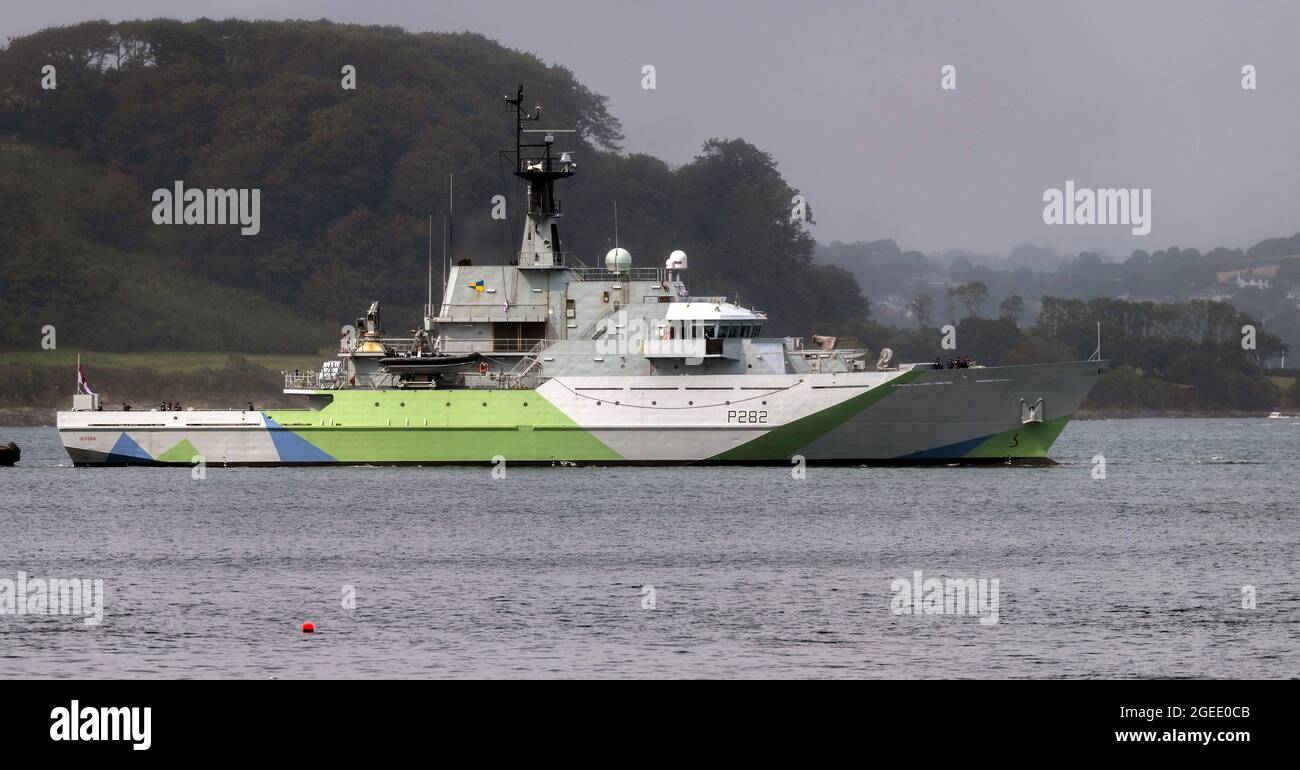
point(309, 627)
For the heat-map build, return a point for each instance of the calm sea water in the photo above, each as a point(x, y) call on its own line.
point(754, 573)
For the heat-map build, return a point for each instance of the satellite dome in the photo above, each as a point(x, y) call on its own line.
point(676, 260)
point(618, 260)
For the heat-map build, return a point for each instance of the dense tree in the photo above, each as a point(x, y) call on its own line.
point(880, 267)
point(972, 296)
point(733, 208)
point(348, 177)
point(1012, 307)
point(922, 307)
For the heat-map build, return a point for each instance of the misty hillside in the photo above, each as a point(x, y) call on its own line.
point(1262, 280)
point(347, 178)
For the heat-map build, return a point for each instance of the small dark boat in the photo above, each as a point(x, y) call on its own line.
point(428, 364)
point(10, 454)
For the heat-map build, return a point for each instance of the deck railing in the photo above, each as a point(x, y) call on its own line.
point(488, 345)
point(557, 259)
point(656, 274)
point(299, 380)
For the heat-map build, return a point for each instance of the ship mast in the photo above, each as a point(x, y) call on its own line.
point(447, 216)
point(537, 166)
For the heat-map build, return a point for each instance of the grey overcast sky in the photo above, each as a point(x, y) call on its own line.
point(847, 97)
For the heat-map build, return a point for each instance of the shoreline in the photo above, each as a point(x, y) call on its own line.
point(1130, 414)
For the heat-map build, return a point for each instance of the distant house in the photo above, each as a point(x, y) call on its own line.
point(1249, 280)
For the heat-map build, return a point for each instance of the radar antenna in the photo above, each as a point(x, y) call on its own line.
point(536, 164)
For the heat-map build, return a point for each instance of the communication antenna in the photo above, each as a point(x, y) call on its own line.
point(445, 251)
point(428, 308)
point(448, 226)
point(616, 224)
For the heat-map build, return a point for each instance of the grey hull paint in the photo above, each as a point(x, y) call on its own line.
point(954, 407)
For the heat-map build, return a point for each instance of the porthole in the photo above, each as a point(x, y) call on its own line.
point(402, 404)
point(376, 403)
point(690, 403)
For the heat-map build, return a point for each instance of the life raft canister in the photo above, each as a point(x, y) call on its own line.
point(482, 367)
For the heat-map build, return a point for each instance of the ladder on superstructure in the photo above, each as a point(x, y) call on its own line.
point(527, 362)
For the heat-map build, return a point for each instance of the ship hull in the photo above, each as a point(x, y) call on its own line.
point(916, 416)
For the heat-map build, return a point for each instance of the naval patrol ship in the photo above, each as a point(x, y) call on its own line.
point(550, 361)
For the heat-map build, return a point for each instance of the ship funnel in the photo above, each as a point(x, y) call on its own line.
point(676, 260)
point(618, 260)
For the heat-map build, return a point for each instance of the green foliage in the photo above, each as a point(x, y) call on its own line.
point(1172, 274)
point(1154, 336)
point(972, 297)
point(1275, 247)
point(348, 177)
point(85, 276)
point(922, 308)
point(733, 208)
point(880, 266)
point(1125, 388)
point(1181, 357)
point(1012, 307)
point(987, 340)
point(1190, 353)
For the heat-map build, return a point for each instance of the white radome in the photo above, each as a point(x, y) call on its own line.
point(676, 260)
point(618, 260)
